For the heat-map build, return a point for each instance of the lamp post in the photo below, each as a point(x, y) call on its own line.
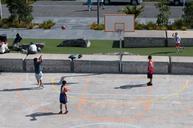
point(1, 14)
point(98, 11)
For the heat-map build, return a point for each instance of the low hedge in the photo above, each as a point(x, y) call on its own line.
point(149, 26)
point(6, 23)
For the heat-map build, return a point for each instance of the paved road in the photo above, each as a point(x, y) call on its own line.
point(79, 9)
point(97, 101)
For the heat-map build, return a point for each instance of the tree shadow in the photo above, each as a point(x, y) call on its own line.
point(69, 83)
point(131, 86)
point(59, 83)
point(39, 114)
point(157, 53)
point(21, 89)
point(116, 44)
point(91, 74)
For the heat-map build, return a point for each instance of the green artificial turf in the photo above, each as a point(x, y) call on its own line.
point(105, 47)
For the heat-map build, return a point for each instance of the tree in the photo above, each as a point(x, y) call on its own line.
point(164, 12)
point(188, 14)
point(136, 10)
point(19, 10)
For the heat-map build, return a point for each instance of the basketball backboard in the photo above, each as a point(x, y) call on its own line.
point(119, 22)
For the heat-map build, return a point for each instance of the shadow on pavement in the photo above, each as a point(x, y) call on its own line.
point(21, 89)
point(39, 114)
point(63, 78)
point(131, 86)
point(55, 83)
point(91, 74)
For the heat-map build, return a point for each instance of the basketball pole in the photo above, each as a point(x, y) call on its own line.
point(98, 12)
point(120, 41)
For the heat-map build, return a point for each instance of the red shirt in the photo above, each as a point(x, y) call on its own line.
point(150, 67)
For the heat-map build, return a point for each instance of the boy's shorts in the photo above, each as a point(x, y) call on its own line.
point(149, 75)
point(177, 45)
point(39, 76)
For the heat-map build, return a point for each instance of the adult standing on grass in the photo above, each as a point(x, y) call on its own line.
point(150, 70)
point(63, 97)
point(38, 70)
point(178, 41)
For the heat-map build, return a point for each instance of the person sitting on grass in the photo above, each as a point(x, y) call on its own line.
point(16, 42)
point(63, 97)
point(32, 48)
point(4, 47)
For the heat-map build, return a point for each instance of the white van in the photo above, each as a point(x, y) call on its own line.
point(179, 2)
point(133, 2)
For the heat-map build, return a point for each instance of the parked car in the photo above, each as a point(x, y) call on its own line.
point(133, 2)
point(179, 2)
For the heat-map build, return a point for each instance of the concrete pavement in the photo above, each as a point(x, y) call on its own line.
point(97, 101)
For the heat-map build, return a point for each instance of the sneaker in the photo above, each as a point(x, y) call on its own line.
point(60, 112)
point(66, 112)
point(149, 84)
point(41, 86)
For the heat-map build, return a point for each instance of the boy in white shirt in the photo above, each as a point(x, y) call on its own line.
point(4, 47)
point(178, 41)
point(32, 49)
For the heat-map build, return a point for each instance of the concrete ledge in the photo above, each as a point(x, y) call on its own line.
point(138, 64)
point(59, 63)
point(182, 65)
point(11, 62)
point(51, 63)
point(144, 39)
point(143, 42)
point(186, 38)
point(97, 64)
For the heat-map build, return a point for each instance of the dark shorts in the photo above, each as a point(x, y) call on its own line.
point(149, 75)
point(178, 45)
point(63, 98)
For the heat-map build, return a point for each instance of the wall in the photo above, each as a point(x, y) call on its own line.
point(59, 63)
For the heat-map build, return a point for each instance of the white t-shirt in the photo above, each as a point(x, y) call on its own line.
point(178, 39)
point(3, 47)
point(33, 48)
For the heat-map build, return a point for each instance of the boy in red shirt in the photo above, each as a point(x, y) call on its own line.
point(150, 70)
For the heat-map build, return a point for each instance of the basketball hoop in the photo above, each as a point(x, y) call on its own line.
point(119, 23)
point(119, 28)
point(119, 31)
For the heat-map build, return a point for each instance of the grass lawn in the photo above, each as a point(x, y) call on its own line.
point(105, 47)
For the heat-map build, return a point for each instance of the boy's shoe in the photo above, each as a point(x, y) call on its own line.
point(60, 112)
point(149, 84)
point(41, 86)
point(66, 112)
